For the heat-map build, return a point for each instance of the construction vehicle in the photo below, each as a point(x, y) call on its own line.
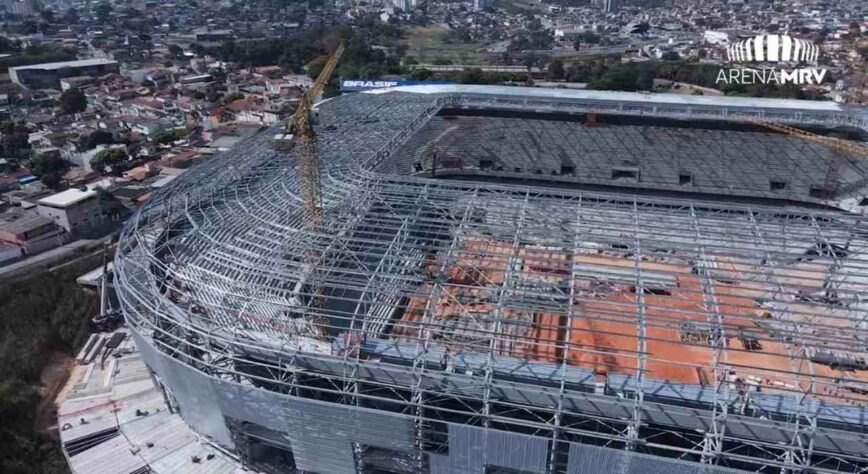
point(840, 149)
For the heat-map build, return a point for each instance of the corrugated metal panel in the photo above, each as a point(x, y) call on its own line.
point(157, 435)
point(321, 434)
point(193, 391)
point(272, 410)
point(111, 457)
point(585, 459)
point(180, 461)
point(471, 449)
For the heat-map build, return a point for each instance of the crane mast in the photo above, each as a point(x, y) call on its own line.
point(298, 129)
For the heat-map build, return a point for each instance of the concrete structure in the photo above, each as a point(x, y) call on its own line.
point(75, 82)
point(9, 253)
point(196, 79)
point(611, 6)
point(453, 314)
point(719, 37)
point(30, 232)
point(76, 210)
point(214, 36)
point(112, 418)
point(48, 75)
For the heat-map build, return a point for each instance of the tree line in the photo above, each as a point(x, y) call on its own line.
point(39, 315)
point(373, 50)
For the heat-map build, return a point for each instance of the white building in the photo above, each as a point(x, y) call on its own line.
point(76, 209)
point(718, 37)
point(48, 75)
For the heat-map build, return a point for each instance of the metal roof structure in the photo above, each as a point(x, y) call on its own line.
point(65, 64)
point(452, 325)
point(720, 102)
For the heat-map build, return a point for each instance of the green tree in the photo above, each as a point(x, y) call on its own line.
point(8, 46)
point(96, 137)
point(110, 157)
point(36, 54)
point(14, 141)
point(71, 16)
point(38, 315)
point(176, 51)
point(103, 12)
point(50, 168)
point(198, 49)
point(47, 15)
point(588, 37)
point(9, 166)
point(169, 136)
point(625, 77)
point(229, 98)
point(556, 70)
point(72, 101)
point(421, 74)
point(471, 76)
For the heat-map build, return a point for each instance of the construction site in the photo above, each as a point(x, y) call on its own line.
point(488, 279)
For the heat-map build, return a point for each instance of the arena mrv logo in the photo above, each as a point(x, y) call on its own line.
point(782, 50)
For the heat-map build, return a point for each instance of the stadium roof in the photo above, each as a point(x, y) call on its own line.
point(630, 97)
point(509, 295)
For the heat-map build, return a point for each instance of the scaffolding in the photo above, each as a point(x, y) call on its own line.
point(731, 335)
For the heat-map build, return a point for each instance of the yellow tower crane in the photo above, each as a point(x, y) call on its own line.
point(839, 147)
point(298, 128)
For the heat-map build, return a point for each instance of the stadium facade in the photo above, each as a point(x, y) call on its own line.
point(514, 280)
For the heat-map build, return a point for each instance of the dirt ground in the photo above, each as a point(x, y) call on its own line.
point(57, 370)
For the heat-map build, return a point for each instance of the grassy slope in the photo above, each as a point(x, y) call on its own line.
point(429, 43)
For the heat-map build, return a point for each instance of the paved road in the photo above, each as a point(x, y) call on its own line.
point(51, 258)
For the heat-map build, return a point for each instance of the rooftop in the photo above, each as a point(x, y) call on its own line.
point(66, 64)
point(67, 198)
point(113, 419)
point(629, 97)
point(18, 221)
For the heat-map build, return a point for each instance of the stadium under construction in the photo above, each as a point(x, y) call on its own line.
point(519, 280)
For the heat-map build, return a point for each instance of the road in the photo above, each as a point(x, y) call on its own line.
point(52, 259)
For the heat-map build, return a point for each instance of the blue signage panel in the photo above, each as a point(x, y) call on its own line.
point(351, 85)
